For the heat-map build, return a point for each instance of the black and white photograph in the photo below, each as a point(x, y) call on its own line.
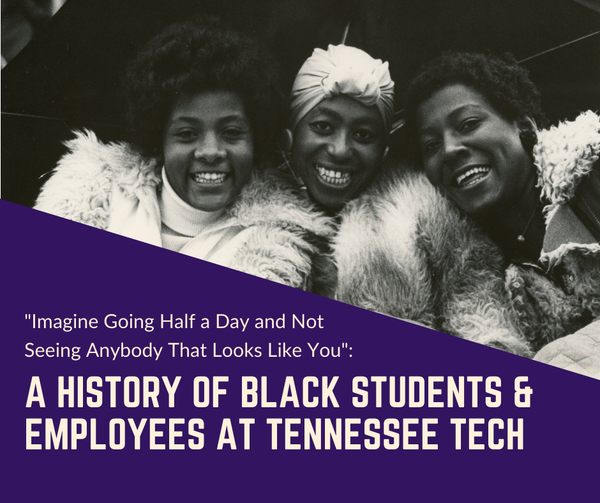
point(432, 161)
point(326, 128)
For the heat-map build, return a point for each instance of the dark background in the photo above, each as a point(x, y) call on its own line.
point(68, 76)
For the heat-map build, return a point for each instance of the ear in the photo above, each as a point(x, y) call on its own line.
point(527, 123)
point(287, 140)
point(527, 133)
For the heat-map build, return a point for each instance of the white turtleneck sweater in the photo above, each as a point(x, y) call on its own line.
point(160, 217)
point(180, 221)
point(201, 234)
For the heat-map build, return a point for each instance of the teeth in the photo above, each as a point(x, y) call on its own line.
point(212, 178)
point(333, 177)
point(471, 172)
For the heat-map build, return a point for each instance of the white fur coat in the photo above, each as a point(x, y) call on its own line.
point(564, 156)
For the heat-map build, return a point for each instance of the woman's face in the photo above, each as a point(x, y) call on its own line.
point(338, 147)
point(208, 148)
point(471, 152)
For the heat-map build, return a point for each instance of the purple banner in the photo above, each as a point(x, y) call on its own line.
point(131, 373)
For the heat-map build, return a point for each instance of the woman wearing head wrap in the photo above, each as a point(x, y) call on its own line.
point(341, 113)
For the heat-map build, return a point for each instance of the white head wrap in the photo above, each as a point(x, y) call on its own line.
point(343, 70)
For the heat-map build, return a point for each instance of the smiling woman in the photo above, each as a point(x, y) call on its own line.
point(471, 152)
point(472, 118)
point(208, 149)
point(205, 109)
point(338, 149)
point(341, 110)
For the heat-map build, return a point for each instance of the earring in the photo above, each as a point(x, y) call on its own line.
point(286, 158)
point(287, 165)
point(286, 162)
point(528, 140)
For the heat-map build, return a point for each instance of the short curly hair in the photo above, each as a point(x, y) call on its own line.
point(500, 79)
point(196, 56)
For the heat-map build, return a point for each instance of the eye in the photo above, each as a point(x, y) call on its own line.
point(469, 125)
point(185, 135)
point(234, 133)
point(430, 147)
point(365, 135)
point(321, 127)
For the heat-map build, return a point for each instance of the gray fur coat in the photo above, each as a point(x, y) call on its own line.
point(404, 250)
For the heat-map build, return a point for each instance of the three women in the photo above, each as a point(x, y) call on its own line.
point(204, 104)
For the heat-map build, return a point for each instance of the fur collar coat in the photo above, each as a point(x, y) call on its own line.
point(564, 156)
point(283, 239)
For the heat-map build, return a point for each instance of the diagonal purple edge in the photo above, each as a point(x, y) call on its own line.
point(57, 268)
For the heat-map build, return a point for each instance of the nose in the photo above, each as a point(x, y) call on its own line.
point(210, 149)
point(339, 146)
point(453, 147)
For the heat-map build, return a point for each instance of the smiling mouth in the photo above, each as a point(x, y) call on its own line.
point(471, 176)
point(209, 178)
point(335, 178)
